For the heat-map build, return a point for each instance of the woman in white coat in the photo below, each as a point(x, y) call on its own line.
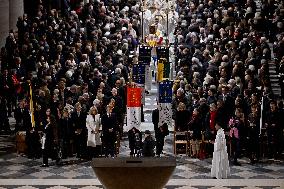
point(93, 124)
point(220, 163)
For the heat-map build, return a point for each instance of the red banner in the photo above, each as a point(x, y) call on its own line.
point(133, 97)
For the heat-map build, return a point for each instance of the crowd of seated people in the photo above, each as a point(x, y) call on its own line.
point(222, 55)
point(78, 63)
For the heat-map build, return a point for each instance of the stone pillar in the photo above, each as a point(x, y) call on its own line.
point(4, 21)
point(16, 9)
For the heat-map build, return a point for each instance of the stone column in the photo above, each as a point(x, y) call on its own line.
point(4, 21)
point(16, 9)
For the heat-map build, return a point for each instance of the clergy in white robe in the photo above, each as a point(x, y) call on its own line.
point(220, 163)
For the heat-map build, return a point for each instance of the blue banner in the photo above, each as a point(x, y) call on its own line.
point(144, 55)
point(165, 91)
point(138, 73)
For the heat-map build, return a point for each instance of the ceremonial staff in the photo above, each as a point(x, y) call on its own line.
point(32, 107)
point(142, 22)
point(167, 23)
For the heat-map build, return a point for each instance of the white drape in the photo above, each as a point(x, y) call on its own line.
point(220, 163)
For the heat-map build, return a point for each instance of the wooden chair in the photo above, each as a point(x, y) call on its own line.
point(181, 139)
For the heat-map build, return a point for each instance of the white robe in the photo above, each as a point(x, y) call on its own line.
point(220, 163)
point(93, 125)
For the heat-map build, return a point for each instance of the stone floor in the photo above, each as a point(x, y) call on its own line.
point(20, 172)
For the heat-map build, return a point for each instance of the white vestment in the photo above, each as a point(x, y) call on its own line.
point(93, 126)
point(220, 163)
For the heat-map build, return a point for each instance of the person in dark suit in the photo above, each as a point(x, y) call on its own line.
point(63, 91)
point(148, 145)
point(65, 134)
point(155, 120)
point(274, 129)
point(79, 125)
point(253, 132)
point(7, 88)
point(4, 121)
point(114, 77)
point(22, 117)
point(122, 92)
point(221, 118)
point(50, 138)
point(229, 103)
point(20, 69)
point(160, 138)
point(109, 127)
point(118, 109)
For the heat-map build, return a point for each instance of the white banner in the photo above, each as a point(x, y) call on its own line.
point(165, 114)
point(133, 118)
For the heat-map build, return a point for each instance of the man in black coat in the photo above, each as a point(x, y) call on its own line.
point(66, 134)
point(22, 116)
point(7, 88)
point(228, 104)
point(110, 128)
point(155, 120)
point(118, 109)
point(79, 124)
point(148, 145)
point(4, 121)
point(221, 119)
point(160, 138)
point(274, 130)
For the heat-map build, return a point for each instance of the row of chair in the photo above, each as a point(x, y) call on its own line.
point(182, 144)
